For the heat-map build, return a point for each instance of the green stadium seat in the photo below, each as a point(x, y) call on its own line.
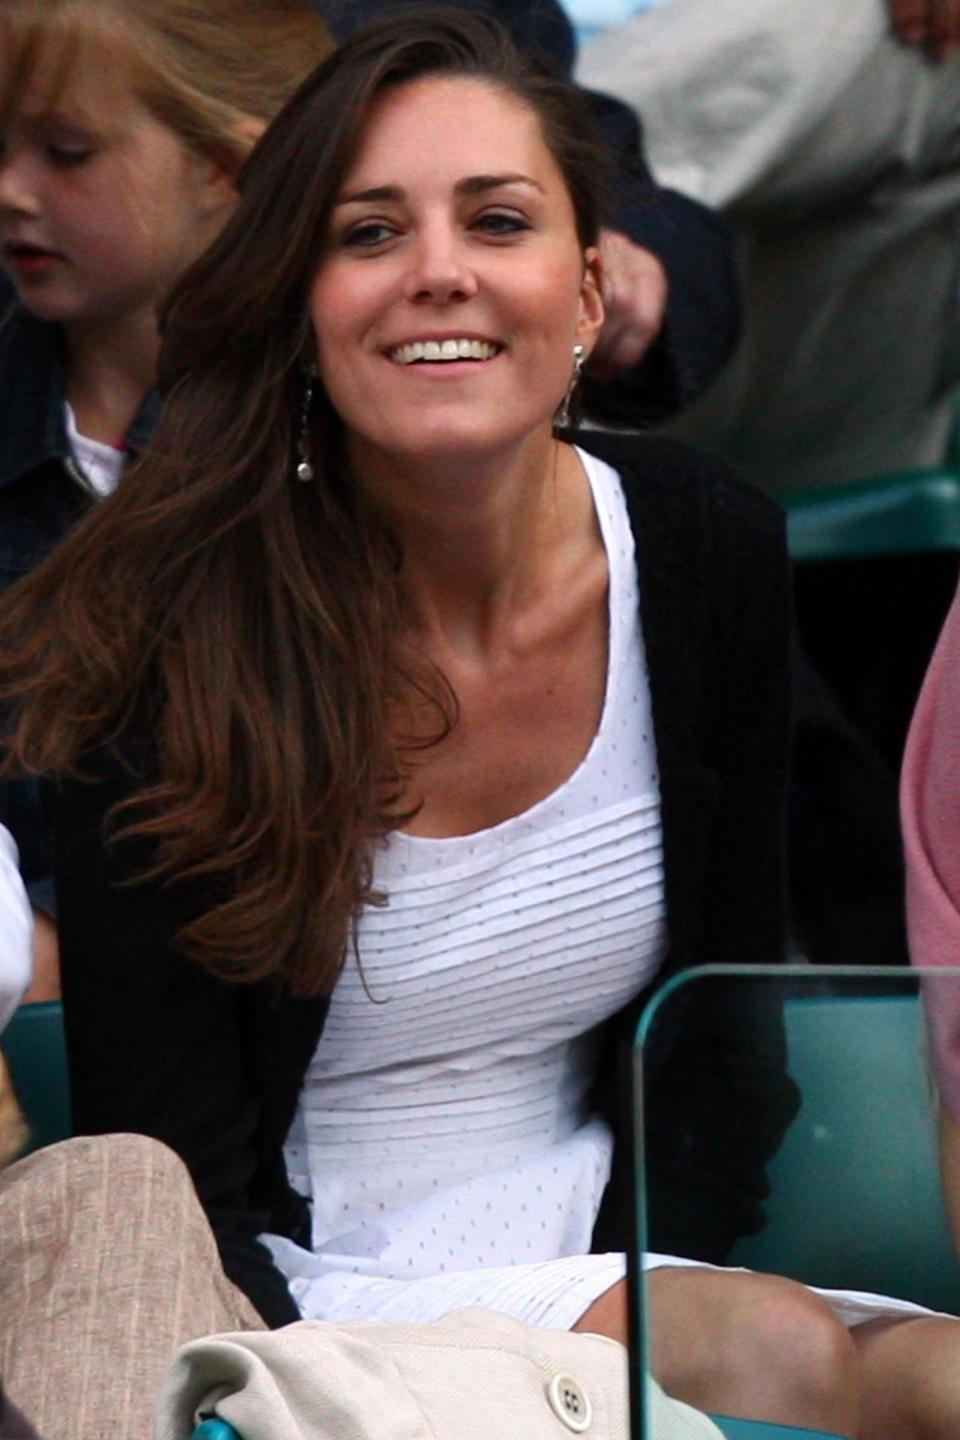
point(35, 1050)
point(732, 1429)
point(855, 1196)
point(762, 1430)
point(913, 511)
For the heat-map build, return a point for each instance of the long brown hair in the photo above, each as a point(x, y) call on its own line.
point(262, 617)
point(203, 70)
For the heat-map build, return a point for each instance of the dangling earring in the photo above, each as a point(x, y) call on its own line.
point(304, 467)
point(562, 419)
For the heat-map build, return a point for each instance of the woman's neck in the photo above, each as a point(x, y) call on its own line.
point(481, 541)
point(111, 364)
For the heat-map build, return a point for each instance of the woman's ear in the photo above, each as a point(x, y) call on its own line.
point(248, 132)
point(591, 316)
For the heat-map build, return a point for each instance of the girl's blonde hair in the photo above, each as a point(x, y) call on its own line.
point(203, 68)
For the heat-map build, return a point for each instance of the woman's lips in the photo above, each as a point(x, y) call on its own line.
point(29, 260)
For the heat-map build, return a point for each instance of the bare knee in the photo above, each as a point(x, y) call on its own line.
point(757, 1346)
point(910, 1378)
point(607, 1315)
point(783, 1328)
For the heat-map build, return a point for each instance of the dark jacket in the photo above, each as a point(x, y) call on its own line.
point(692, 242)
point(42, 494)
point(158, 1046)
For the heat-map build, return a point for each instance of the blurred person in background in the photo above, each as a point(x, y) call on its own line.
point(930, 804)
point(830, 136)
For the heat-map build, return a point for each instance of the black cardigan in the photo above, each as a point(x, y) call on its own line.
point(159, 1047)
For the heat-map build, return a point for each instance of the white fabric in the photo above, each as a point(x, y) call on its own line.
point(16, 930)
point(766, 103)
point(473, 1376)
point(100, 464)
point(444, 1130)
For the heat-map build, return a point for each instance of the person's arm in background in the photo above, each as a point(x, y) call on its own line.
point(15, 972)
point(670, 288)
point(950, 1171)
point(930, 812)
point(24, 809)
point(16, 966)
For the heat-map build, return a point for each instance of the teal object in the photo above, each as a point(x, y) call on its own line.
point(761, 1430)
point(911, 511)
point(855, 1197)
point(35, 1050)
point(215, 1429)
point(732, 1430)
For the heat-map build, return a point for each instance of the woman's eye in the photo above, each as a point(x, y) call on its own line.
point(369, 234)
point(501, 222)
point(69, 155)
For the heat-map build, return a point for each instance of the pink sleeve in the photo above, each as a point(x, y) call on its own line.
point(930, 810)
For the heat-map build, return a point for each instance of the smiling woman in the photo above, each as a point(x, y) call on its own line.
point(454, 286)
point(404, 745)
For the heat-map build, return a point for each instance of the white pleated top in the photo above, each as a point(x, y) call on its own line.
point(445, 1133)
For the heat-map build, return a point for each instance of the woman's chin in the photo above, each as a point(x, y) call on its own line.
point(442, 443)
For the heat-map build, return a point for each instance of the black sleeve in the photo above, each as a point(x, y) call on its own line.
point(156, 1045)
point(720, 1098)
point(717, 1098)
point(692, 242)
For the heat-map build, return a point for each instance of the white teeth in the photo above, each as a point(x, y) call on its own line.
point(442, 350)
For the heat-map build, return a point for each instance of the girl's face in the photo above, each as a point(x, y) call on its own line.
point(101, 206)
point(454, 236)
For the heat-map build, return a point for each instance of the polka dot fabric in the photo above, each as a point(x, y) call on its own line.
point(444, 1132)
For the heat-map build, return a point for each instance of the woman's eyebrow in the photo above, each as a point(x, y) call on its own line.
point(476, 184)
point(470, 185)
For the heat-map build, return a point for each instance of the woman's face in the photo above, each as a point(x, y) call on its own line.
point(101, 206)
point(453, 287)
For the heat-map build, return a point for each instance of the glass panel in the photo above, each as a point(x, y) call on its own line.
point(828, 1068)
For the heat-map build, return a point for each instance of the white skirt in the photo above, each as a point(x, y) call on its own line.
point(511, 1239)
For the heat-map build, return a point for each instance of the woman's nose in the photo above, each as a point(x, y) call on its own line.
point(440, 270)
point(17, 195)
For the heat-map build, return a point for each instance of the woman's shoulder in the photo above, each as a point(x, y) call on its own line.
point(672, 488)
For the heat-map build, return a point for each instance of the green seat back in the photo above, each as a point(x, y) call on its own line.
point(732, 1430)
point(909, 512)
point(855, 1197)
point(763, 1430)
point(34, 1046)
